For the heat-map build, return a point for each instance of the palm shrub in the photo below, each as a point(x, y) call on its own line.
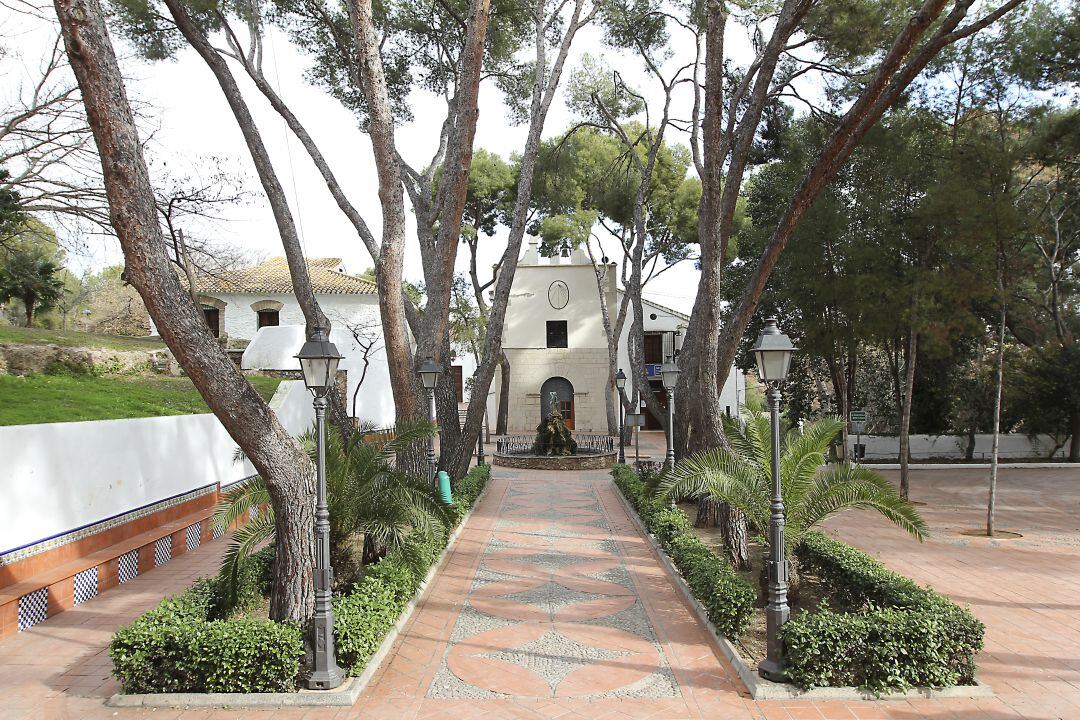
point(742, 477)
point(367, 496)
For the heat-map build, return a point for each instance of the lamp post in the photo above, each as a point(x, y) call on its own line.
point(669, 371)
point(620, 383)
point(319, 360)
point(429, 376)
point(773, 353)
point(480, 436)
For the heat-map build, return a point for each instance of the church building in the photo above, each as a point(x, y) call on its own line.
point(555, 342)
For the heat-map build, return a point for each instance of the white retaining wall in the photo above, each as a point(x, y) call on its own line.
point(56, 477)
point(1012, 445)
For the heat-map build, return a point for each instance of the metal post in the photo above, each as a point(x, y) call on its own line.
point(669, 459)
point(325, 673)
point(480, 447)
point(432, 465)
point(622, 430)
point(776, 611)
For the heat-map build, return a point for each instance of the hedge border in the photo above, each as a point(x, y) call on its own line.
point(473, 487)
point(898, 635)
point(760, 688)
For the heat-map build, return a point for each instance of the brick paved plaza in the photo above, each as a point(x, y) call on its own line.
point(552, 606)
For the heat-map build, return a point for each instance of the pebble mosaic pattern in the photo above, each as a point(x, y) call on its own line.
point(552, 610)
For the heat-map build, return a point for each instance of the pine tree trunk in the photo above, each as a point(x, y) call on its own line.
point(708, 513)
point(504, 395)
point(277, 456)
point(1074, 441)
point(999, 382)
point(905, 414)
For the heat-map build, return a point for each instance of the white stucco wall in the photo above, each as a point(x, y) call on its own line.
point(57, 477)
point(1012, 445)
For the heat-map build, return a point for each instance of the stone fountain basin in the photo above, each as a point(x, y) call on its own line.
point(582, 461)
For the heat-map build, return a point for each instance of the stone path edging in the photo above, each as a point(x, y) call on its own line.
point(343, 696)
point(762, 689)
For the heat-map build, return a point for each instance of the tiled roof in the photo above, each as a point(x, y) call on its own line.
point(272, 278)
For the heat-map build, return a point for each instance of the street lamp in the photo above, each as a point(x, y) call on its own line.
point(319, 360)
point(773, 353)
point(429, 376)
point(620, 383)
point(669, 371)
point(480, 436)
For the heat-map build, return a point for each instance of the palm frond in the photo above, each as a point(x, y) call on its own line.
point(239, 498)
point(245, 541)
point(845, 487)
point(723, 477)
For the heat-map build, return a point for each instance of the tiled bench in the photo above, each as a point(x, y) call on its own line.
point(47, 583)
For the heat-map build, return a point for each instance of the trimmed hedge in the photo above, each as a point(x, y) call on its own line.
point(187, 644)
point(898, 634)
point(364, 617)
point(727, 598)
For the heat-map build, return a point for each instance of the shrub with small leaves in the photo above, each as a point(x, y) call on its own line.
point(896, 634)
point(727, 598)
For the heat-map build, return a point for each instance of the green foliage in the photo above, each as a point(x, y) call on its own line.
point(897, 634)
point(71, 397)
point(727, 598)
point(363, 617)
point(27, 275)
point(366, 495)
point(742, 477)
point(188, 644)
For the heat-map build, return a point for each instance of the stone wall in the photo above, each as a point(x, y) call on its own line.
point(16, 359)
point(564, 462)
point(585, 368)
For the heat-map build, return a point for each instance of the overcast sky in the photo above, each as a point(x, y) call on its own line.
point(193, 122)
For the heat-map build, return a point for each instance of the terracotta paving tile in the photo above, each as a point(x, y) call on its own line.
point(593, 566)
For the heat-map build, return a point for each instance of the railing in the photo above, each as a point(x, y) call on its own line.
point(587, 442)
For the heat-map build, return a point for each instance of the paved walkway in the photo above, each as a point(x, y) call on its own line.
point(552, 606)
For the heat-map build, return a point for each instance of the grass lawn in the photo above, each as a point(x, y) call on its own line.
point(71, 338)
point(62, 398)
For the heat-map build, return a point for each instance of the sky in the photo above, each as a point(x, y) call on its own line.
point(191, 122)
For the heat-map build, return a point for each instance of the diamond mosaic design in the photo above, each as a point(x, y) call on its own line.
point(193, 536)
point(553, 610)
point(128, 566)
point(218, 530)
point(33, 608)
point(162, 550)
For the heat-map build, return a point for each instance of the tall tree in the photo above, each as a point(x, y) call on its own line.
point(277, 456)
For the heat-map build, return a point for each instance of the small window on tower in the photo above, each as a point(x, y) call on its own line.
point(269, 318)
point(556, 333)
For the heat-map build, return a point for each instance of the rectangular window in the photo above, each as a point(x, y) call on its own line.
point(268, 318)
point(213, 320)
point(556, 334)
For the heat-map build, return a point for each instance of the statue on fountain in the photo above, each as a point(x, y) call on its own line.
point(552, 435)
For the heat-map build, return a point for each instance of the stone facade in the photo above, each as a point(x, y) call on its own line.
point(585, 368)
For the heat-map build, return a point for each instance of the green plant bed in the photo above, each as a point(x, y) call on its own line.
point(881, 632)
point(201, 641)
point(892, 634)
point(727, 598)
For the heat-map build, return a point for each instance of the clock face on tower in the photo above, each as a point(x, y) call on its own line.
point(558, 294)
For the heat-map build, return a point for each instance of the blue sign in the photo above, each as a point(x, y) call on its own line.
point(653, 369)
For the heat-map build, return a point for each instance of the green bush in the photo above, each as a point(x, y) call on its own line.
point(186, 645)
point(727, 598)
point(364, 617)
point(896, 635)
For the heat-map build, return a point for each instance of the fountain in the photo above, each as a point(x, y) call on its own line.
point(555, 447)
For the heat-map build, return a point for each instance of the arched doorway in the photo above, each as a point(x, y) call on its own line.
point(564, 393)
